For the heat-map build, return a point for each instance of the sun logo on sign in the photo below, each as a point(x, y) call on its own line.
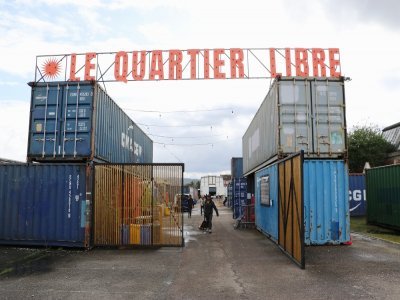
point(51, 68)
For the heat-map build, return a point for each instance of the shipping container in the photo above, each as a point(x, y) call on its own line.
point(267, 212)
point(237, 167)
point(357, 194)
point(326, 206)
point(239, 194)
point(297, 114)
point(383, 193)
point(230, 195)
point(78, 121)
point(45, 204)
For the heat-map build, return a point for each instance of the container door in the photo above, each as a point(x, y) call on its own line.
point(295, 117)
point(328, 100)
point(45, 116)
point(76, 121)
point(291, 208)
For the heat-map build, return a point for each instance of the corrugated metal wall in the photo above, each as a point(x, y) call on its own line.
point(239, 196)
point(326, 202)
point(138, 205)
point(267, 216)
point(237, 167)
point(45, 205)
point(383, 193)
point(79, 121)
point(326, 205)
point(297, 114)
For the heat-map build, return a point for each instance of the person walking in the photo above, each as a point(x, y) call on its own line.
point(209, 206)
point(190, 206)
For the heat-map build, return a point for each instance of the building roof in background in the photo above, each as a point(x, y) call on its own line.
point(392, 134)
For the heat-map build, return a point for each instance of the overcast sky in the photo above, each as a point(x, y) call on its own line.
point(366, 32)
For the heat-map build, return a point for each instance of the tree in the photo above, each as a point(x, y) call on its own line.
point(194, 183)
point(366, 144)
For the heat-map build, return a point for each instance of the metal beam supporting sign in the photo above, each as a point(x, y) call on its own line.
point(291, 208)
point(190, 64)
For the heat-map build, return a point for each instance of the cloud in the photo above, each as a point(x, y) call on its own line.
point(384, 12)
point(9, 83)
point(14, 122)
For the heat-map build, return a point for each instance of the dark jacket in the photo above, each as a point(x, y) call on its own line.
point(190, 203)
point(209, 205)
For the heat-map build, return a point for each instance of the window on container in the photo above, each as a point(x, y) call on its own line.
point(265, 188)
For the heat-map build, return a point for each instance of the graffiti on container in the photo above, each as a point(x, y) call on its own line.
point(128, 143)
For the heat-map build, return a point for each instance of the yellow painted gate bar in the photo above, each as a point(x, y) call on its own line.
point(138, 205)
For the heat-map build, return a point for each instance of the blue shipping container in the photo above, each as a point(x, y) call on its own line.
point(326, 205)
point(45, 205)
point(230, 195)
point(239, 194)
point(237, 167)
point(357, 195)
point(78, 121)
point(267, 216)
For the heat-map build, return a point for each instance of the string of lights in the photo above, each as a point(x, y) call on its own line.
point(180, 111)
point(187, 125)
point(185, 137)
point(193, 144)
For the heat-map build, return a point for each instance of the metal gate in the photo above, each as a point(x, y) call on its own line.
point(291, 208)
point(138, 204)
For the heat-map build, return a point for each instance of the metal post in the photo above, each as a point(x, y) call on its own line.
point(55, 124)
point(76, 118)
point(45, 121)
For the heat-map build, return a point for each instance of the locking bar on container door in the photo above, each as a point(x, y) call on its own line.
point(316, 114)
point(65, 119)
point(45, 121)
point(76, 118)
point(329, 142)
point(308, 117)
point(55, 123)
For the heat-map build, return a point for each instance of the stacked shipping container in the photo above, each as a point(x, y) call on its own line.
point(305, 114)
point(45, 204)
point(78, 121)
point(70, 122)
point(297, 114)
